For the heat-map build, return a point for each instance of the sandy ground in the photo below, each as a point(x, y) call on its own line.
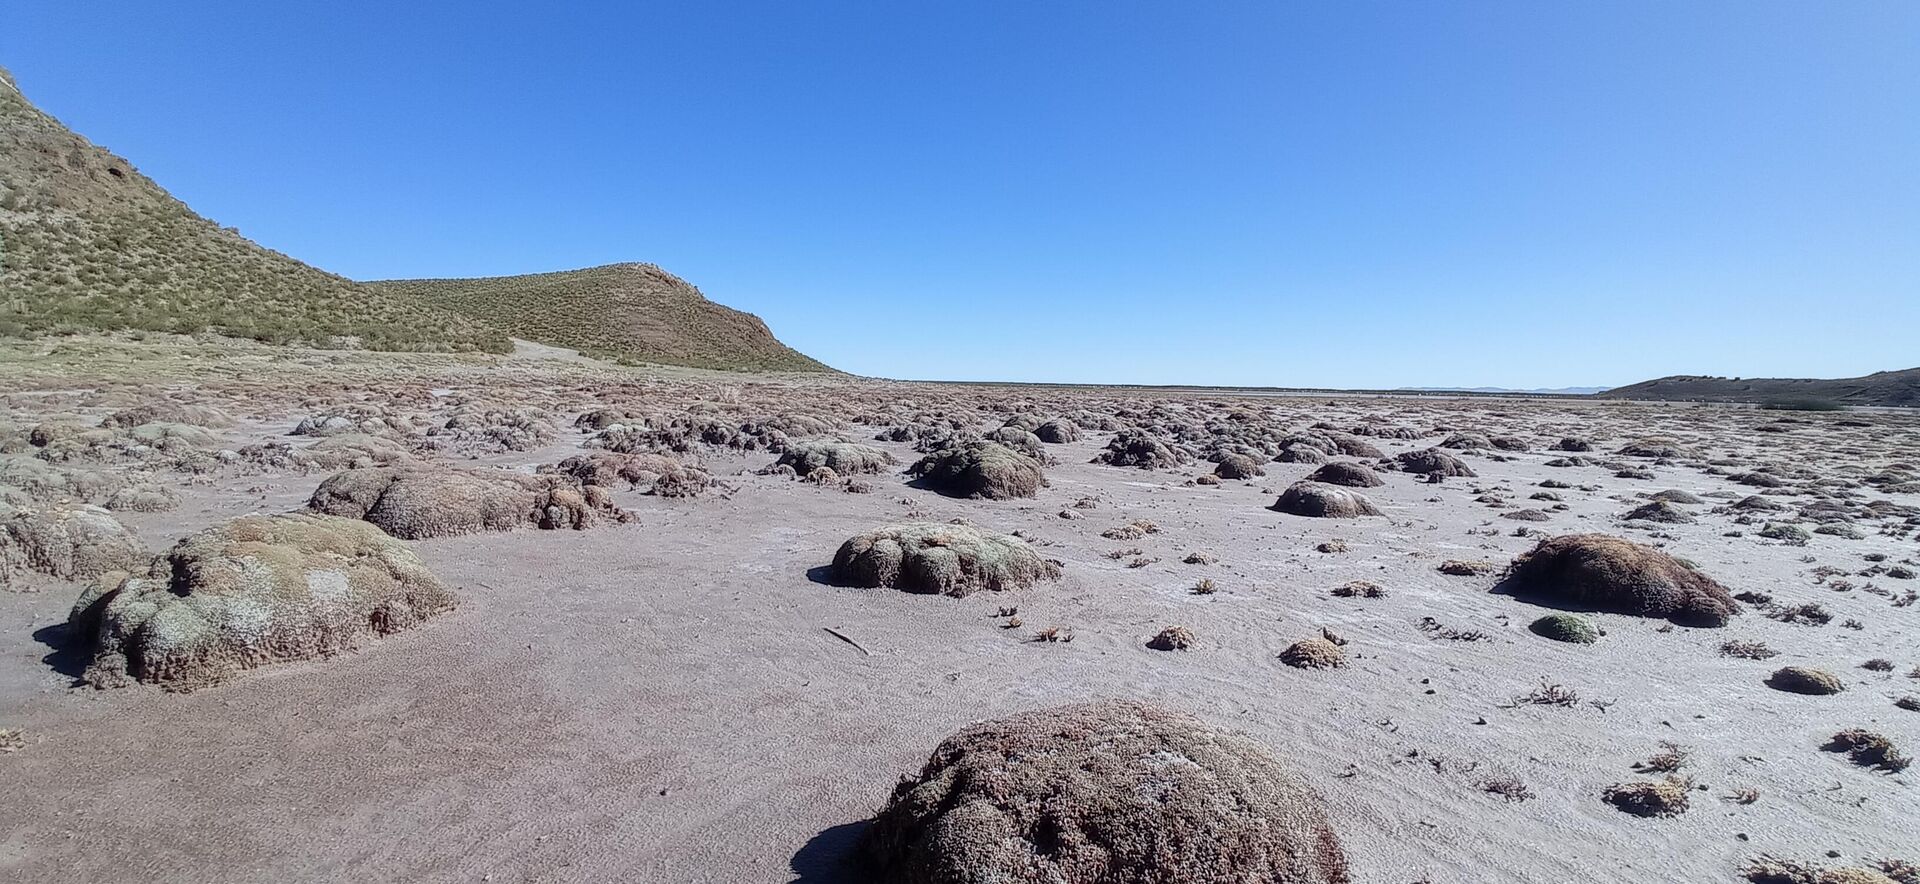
point(661, 701)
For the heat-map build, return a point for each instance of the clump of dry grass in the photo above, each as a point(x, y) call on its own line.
point(1131, 531)
point(1671, 757)
point(1314, 653)
point(1053, 634)
point(1508, 787)
point(1459, 568)
point(1773, 870)
point(1747, 650)
point(1808, 614)
point(1441, 632)
point(1362, 589)
point(1548, 694)
point(1664, 798)
point(1172, 638)
point(1869, 749)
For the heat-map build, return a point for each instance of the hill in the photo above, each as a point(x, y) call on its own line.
point(618, 311)
point(1900, 388)
point(88, 243)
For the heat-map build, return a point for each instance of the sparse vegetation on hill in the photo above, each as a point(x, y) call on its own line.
point(88, 243)
point(632, 312)
point(1790, 394)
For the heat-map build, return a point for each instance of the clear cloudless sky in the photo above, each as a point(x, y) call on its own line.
point(1354, 194)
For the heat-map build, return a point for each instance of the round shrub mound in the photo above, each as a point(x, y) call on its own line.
point(1312, 499)
point(1348, 474)
point(1112, 791)
point(1314, 653)
point(1566, 628)
point(844, 458)
point(661, 475)
point(1805, 680)
point(927, 557)
point(1137, 448)
point(68, 541)
point(1058, 432)
point(1659, 511)
point(1605, 573)
point(1238, 466)
point(1433, 460)
point(981, 469)
point(1300, 454)
point(257, 590)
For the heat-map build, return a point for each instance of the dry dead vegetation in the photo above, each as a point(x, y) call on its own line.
point(1093, 519)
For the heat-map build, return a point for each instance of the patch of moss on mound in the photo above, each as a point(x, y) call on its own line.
point(1566, 628)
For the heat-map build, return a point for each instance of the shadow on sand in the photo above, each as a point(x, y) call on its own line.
point(827, 858)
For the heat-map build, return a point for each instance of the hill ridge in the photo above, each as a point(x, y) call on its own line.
point(91, 244)
point(1899, 387)
point(629, 310)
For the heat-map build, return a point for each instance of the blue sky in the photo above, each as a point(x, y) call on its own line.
point(1344, 194)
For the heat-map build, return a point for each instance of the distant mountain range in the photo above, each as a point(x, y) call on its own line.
point(1544, 391)
point(1884, 388)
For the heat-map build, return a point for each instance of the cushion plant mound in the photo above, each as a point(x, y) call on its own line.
point(1604, 573)
point(1347, 474)
point(1571, 628)
point(257, 590)
point(68, 541)
point(1312, 499)
point(1433, 460)
point(419, 501)
point(947, 559)
point(981, 469)
point(844, 458)
point(1109, 791)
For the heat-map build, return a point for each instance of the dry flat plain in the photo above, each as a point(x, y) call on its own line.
point(645, 665)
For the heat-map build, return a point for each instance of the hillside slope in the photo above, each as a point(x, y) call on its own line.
point(632, 311)
point(1880, 388)
point(89, 243)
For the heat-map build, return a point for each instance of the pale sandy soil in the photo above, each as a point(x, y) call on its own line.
point(660, 701)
